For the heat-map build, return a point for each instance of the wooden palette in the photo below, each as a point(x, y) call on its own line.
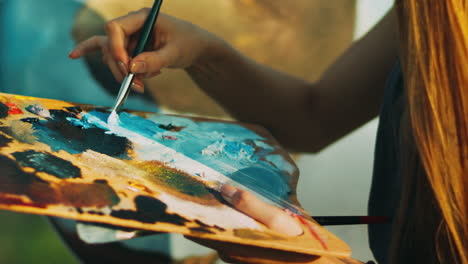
point(149, 172)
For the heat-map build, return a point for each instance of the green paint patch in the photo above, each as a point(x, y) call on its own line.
point(175, 179)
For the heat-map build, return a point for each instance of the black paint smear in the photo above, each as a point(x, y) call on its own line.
point(208, 226)
point(149, 210)
point(201, 223)
point(48, 163)
point(97, 140)
point(4, 141)
point(131, 215)
point(171, 127)
point(174, 219)
point(101, 181)
point(4, 110)
point(61, 114)
point(80, 139)
point(220, 228)
point(217, 195)
point(31, 120)
point(102, 110)
point(74, 109)
point(154, 206)
point(95, 212)
point(201, 230)
point(167, 127)
point(79, 210)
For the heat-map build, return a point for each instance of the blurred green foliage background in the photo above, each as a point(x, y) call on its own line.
point(28, 239)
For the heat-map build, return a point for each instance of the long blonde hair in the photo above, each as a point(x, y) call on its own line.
point(432, 225)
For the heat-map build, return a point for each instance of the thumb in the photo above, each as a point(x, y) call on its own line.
point(271, 216)
point(152, 62)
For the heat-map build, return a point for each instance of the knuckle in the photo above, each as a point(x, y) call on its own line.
point(240, 199)
point(145, 10)
point(131, 13)
point(109, 26)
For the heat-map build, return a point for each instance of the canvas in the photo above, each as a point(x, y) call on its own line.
point(147, 172)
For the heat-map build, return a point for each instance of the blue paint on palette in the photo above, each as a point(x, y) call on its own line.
point(228, 148)
point(61, 134)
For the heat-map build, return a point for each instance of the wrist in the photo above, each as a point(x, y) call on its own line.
point(212, 50)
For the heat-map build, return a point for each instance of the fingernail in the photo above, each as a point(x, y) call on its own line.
point(123, 67)
point(138, 67)
point(138, 88)
point(228, 192)
point(73, 54)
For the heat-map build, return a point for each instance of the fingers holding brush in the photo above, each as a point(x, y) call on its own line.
point(101, 43)
point(171, 43)
point(121, 30)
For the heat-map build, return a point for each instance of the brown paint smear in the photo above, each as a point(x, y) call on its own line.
point(14, 181)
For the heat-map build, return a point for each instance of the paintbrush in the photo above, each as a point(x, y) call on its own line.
point(141, 46)
point(351, 220)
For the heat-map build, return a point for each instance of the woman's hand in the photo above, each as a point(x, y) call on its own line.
point(175, 44)
point(271, 216)
point(275, 219)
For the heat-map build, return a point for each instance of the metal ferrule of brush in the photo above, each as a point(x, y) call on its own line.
point(124, 91)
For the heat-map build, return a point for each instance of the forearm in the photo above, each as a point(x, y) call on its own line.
point(252, 92)
point(303, 116)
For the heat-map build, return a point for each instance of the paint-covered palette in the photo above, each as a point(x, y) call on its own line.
point(147, 172)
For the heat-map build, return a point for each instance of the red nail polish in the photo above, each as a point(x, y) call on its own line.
point(73, 54)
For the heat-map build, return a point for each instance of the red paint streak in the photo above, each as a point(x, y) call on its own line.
point(170, 137)
point(14, 110)
point(313, 231)
point(309, 226)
